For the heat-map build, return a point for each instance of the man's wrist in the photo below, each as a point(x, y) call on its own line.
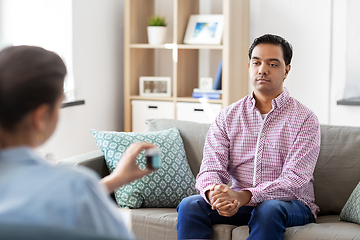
point(245, 197)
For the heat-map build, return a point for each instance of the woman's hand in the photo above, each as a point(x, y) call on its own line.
point(127, 170)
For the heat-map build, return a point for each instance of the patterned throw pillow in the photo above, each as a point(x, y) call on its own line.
point(165, 187)
point(351, 210)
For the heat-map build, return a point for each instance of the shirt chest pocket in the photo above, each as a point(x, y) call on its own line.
point(273, 158)
point(275, 149)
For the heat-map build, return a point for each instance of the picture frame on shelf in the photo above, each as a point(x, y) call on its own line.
point(155, 86)
point(204, 29)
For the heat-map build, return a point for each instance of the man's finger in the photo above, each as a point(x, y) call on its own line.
point(215, 196)
point(216, 202)
point(213, 187)
point(220, 187)
point(223, 205)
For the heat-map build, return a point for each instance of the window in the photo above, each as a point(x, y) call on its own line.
point(43, 23)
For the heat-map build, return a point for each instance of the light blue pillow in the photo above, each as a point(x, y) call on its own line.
point(165, 187)
point(351, 210)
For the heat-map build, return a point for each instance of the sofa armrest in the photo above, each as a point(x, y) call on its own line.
point(94, 160)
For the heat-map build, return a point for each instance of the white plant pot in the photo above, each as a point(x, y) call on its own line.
point(156, 35)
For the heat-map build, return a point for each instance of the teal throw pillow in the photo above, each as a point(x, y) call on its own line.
point(165, 187)
point(351, 210)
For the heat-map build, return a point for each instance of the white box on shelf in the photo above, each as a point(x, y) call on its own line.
point(206, 83)
point(197, 112)
point(143, 110)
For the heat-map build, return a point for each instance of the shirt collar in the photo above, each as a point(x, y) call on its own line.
point(279, 101)
point(21, 155)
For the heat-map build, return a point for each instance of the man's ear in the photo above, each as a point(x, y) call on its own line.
point(40, 117)
point(287, 70)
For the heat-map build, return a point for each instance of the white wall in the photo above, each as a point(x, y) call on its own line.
point(307, 26)
point(340, 115)
point(98, 73)
point(317, 31)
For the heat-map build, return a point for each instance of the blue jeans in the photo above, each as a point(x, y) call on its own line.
point(268, 220)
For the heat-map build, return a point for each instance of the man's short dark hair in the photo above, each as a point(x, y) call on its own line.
point(276, 40)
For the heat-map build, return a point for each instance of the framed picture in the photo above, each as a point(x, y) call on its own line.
point(204, 29)
point(155, 86)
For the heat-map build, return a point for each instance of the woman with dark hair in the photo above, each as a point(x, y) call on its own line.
point(33, 191)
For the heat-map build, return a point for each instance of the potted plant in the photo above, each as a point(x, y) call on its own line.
point(156, 30)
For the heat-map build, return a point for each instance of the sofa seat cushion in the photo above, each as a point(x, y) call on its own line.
point(327, 228)
point(154, 223)
point(160, 224)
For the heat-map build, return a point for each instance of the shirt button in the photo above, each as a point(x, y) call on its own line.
point(262, 134)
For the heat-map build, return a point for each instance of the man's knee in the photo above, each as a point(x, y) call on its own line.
point(191, 203)
point(271, 208)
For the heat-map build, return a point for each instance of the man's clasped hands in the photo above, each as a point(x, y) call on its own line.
point(227, 201)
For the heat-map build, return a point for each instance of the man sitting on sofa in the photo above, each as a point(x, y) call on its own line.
point(268, 144)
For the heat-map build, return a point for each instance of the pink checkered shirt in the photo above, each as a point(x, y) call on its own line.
point(273, 158)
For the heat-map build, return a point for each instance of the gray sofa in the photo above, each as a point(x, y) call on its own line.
point(336, 175)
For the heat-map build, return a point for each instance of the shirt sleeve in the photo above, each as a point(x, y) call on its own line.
point(214, 166)
point(96, 210)
point(298, 168)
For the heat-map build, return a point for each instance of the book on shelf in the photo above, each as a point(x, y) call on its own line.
point(199, 90)
point(215, 92)
point(208, 95)
point(218, 77)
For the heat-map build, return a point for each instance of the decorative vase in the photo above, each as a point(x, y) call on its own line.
point(156, 34)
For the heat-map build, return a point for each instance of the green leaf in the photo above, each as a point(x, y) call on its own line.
point(156, 21)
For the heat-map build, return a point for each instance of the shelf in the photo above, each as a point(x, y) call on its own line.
point(178, 46)
point(145, 45)
point(202, 100)
point(198, 46)
point(178, 99)
point(137, 97)
point(66, 104)
point(349, 102)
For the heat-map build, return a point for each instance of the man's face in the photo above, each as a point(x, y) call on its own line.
point(267, 69)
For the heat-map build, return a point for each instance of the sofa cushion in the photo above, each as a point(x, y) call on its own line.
point(337, 171)
point(160, 224)
point(326, 228)
point(351, 210)
point(165, 187)
point(193, 134)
